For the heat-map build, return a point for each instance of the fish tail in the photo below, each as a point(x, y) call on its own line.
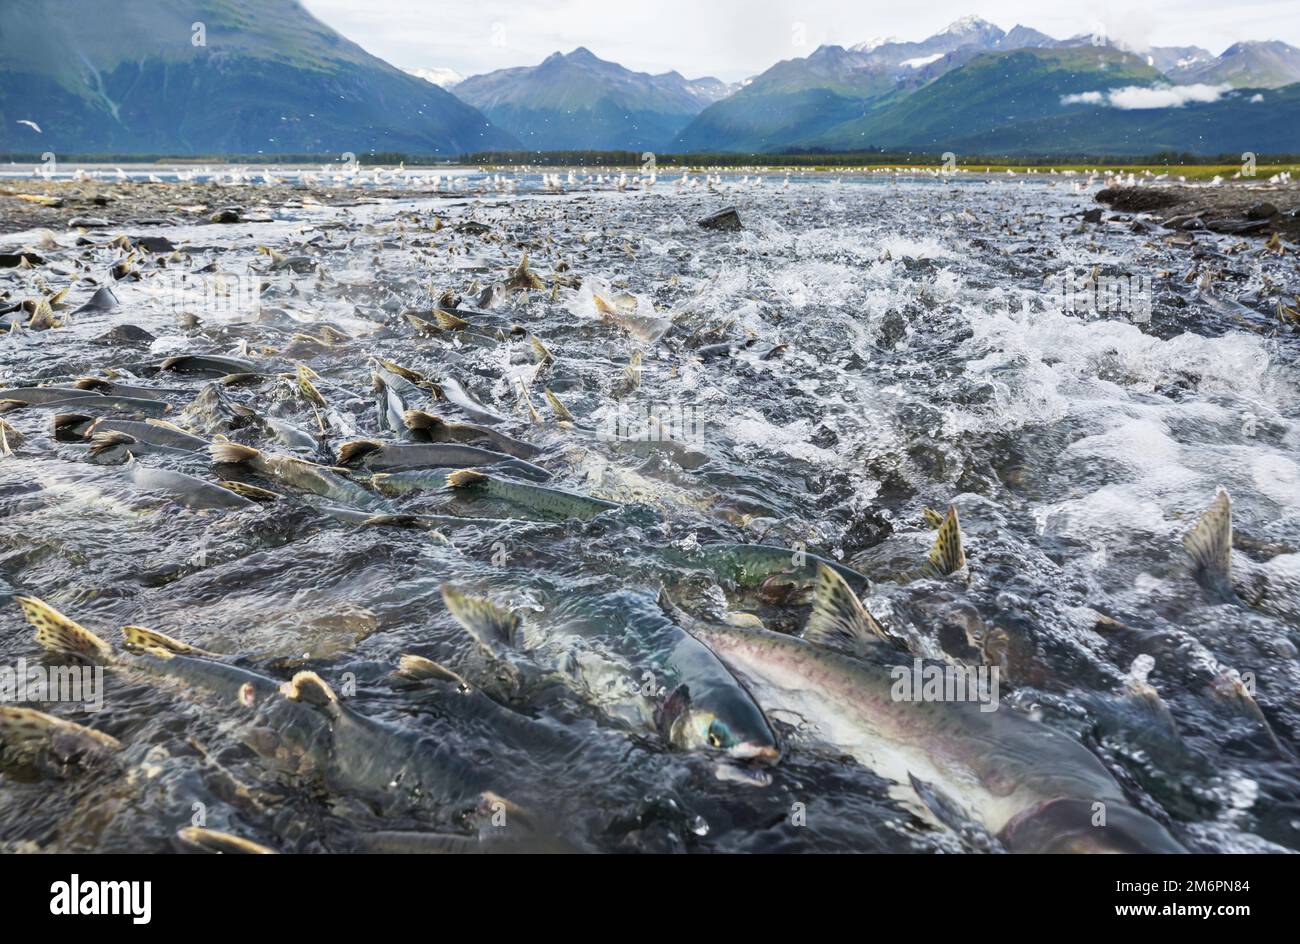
point(490, 624)
point(21, 727)
point(1209, 543)
point(947, 556)
point(56, 633)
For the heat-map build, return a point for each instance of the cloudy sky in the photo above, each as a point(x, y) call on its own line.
point(733, 39)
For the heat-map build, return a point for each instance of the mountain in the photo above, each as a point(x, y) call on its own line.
point(1268, 119)
point(799, 99)
point(1023, 37)
point(139, 76)
point(992, 91)
point(443, 78)
point(1176, 61)
point(973, 88)
point(581, 101)
point(1247, 65)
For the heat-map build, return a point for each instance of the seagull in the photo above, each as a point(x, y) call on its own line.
point(31, 124)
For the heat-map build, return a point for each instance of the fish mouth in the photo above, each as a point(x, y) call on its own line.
point(767, 754)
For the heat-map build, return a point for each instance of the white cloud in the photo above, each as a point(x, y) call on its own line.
point(921, 62)
point(1136, 97)
point(443, 77)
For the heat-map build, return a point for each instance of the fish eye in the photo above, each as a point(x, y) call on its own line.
point(719, 734)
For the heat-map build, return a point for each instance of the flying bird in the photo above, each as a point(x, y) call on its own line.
point(31, 124)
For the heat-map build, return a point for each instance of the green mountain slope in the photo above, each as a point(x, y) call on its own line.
point(993, 90)
point(127, 76)
point(1265, 121)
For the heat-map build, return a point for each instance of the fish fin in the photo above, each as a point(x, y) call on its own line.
point(230, 453)
point(490, 624)
point(307, 388)
point(421, 669)
point(8, 406)
point(558, 408)
point(953, 815)
point(103, 442)
point(137, 638)
point(540, 351)
point(465, 478)
point(164, 424)
point(56, 633)
point(449, 322)
point(666, 603)
point(251, 492)
point(947, 556)
point(351, 452)
point(92, 383)
point(419, 419)
point(25, 726)
point(1209, 542)
point(838, 617)
point(310, 689)
point(65, 423)
point(392, 521)
point(202, 839)
point(933, 519)
point(675, 704)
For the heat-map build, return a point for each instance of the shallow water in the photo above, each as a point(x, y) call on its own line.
point(930, 362)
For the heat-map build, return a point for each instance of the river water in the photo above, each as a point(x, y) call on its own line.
point(1076, 391)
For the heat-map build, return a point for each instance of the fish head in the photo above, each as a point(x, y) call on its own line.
point(1075, 825)
point(742, 734)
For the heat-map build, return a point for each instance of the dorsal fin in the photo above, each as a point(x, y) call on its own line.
point(466, 478)
point(310, 689)
point(560, 410)
point(57, 633)
point(947, 556)
point(139, 638)
point(419, 668)
point(1209, 543)
point(838, 618)
point(449, 322)
point(354, 451)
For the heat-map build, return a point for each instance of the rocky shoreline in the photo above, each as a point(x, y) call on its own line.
point(1243, 209)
